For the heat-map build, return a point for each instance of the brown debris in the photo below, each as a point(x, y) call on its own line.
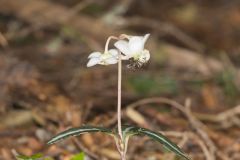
point(44, 13)
point(46, 88)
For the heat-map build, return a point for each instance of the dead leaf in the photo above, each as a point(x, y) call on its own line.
point(15, 119)
point(136, 117)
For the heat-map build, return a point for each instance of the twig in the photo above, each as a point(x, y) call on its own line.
point(198, 126)
point(203, 147)
point(226, 118)
point(229, 113)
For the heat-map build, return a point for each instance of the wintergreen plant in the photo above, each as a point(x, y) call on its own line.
point(132, 49)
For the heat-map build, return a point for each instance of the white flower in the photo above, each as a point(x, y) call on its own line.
point(106, 58)
point(134, 48)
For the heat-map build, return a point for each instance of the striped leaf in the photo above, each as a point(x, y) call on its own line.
point(131, 130)
point(78, 131)
point(128, 131)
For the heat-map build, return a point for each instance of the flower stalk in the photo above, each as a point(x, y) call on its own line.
point(119, 96)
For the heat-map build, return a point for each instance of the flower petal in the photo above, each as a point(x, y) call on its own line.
point(112, 60)
point(125, 57)
point(93, 62)
point(145, 38)
point(136, 44)
point(113, 52)
point(123, 47)
point(95, 55)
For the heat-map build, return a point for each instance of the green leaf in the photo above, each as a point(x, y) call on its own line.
point(128, 131)
point(78, 131)
point(48, 158)
point(131, 130)
point(79, 156)
point(33, 157)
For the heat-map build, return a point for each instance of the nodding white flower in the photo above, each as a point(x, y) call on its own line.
point(106, 58)
point(134, 48)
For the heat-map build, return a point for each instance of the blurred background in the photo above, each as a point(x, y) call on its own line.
point(45, 86)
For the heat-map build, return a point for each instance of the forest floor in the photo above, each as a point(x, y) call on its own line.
point(45, 86)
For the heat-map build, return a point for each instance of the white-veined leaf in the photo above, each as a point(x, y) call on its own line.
point(78, 131)
point(131, 130)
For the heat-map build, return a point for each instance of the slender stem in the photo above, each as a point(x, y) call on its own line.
point(108, 41)
point(119, 95)
point(120, 144)
point(123, 36)
point(123, 157)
